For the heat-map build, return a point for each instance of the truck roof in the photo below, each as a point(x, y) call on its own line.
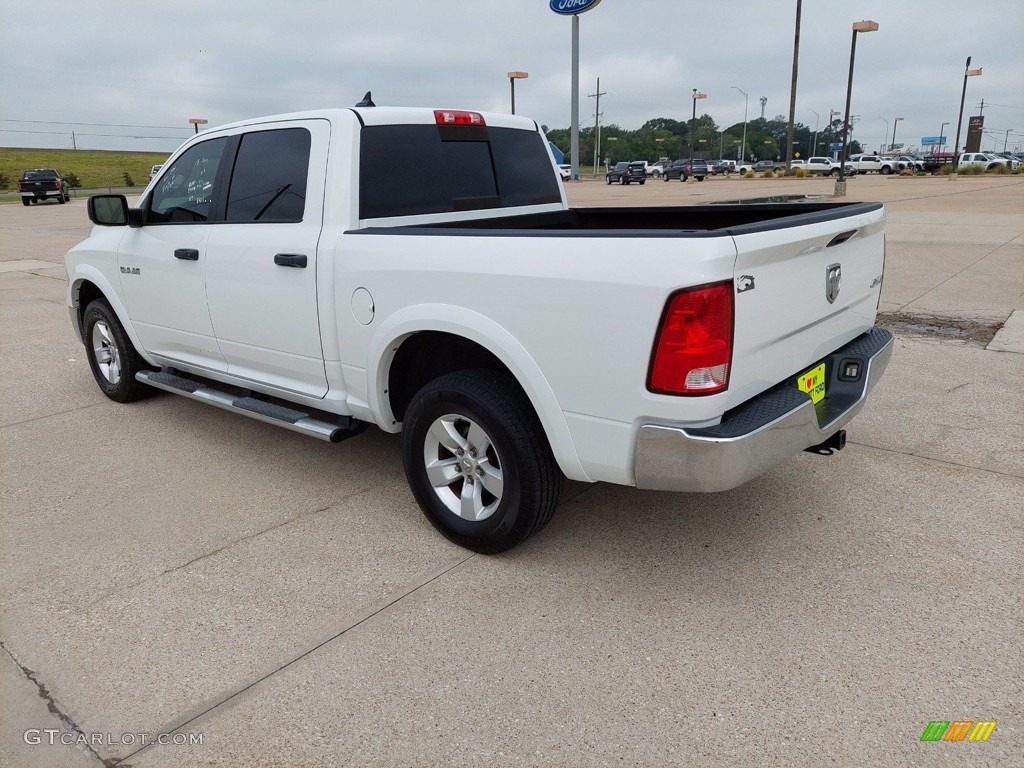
point(385, 116)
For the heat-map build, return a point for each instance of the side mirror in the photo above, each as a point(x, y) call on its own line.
point(113, 211)
point(108, 210)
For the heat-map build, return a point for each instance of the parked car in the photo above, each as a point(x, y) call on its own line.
point(702, 386)
point(626, 173)
point(685, 168)
point(37, 184)
point(981, 160)
point(763, 165)
point(909, 161)
point(565, 171)
point(725, 166)
point(826, 166)
point(656, 169)
point(873, 164)
point(154, 171)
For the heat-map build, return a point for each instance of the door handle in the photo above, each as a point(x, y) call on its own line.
point(291, 260)
point(186, 254)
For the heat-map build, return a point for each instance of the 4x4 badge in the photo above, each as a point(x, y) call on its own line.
point(833, 282)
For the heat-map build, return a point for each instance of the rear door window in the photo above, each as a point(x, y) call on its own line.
point(268, 182)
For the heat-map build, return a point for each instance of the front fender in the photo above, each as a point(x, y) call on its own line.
point(480, 329)
point(87, 272)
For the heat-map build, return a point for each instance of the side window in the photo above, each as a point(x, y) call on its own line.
point(269, 179)
point(185, 192)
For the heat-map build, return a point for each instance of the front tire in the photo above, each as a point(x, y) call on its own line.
point(478, 462)
point(112, 357)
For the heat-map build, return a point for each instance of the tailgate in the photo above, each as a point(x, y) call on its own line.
point(801, 292)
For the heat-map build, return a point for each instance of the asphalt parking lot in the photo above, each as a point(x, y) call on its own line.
point(264, 599)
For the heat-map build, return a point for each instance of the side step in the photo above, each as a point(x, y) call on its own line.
point(297, 421)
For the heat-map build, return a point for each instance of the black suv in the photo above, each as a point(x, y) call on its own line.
point(624, 173)
point(683, 169)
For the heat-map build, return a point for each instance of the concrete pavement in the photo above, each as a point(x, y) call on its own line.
point(171, 568)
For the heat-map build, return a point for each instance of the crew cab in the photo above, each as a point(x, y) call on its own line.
point(826, 166)
point(271, 270)
point(762, 165)
point(873, 164)
point(982, 161)
point(684, 168)
point(38, 184)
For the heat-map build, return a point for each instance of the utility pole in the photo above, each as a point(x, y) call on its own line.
point(597, 121)
point(981, 107)
point(764, 100)
point(792, 92)
point(74, 143)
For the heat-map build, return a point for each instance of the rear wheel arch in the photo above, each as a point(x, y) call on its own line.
point(473, 339)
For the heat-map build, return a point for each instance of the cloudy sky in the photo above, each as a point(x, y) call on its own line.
point(142, 69)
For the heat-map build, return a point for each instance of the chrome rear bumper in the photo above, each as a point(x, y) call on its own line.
point(762, 432)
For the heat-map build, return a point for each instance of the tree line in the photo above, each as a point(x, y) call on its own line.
point(664, 137)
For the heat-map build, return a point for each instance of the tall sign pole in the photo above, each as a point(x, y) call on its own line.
point(574, 8)
point(574, 136)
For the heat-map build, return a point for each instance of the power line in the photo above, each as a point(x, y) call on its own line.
point(68, 133)
point(98, 125)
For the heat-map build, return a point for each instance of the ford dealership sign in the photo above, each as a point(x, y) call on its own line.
point(572, 7)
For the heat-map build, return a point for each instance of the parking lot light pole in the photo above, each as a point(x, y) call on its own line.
point(858, 26)
point(197, 121)
point(743, 146)
point(693, 120)
point(895, 122)
point(885, 135)
point(817, 122)
point(968, 72)
point(512, 77)
point(942, 142)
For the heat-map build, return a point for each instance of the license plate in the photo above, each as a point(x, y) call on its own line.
point(813, 383)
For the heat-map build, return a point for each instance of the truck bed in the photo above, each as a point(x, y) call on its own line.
point(716, 220)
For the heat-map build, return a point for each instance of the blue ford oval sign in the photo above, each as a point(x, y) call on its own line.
point(572, 7)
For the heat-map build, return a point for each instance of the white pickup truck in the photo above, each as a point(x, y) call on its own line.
point(874, 164)
point(270, 270)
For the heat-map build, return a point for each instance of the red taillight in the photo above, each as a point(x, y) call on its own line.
point(693, 349)
point(457, 117)
point(56, 183)
point(19, 186)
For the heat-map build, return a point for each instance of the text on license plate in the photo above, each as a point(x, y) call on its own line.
point(813, 383)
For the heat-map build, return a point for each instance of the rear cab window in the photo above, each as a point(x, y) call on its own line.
point(407, 170)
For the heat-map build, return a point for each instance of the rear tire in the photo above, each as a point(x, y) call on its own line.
point(60, 198)
point(112, 357)
point(478, 462)
point(26, 201)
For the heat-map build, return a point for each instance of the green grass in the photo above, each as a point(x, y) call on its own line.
point(95, 168)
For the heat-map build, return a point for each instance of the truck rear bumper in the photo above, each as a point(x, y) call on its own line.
point(764, 431)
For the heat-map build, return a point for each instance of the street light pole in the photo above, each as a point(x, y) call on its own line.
point(942, 138)
point(858, 26)
point(884, 135)
point(792, 92)
point(693, 120)
point(817, 122)
point(895, 122)
point(512, 77)
point(743, 146)
point(968, 72)
point(197, 121)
